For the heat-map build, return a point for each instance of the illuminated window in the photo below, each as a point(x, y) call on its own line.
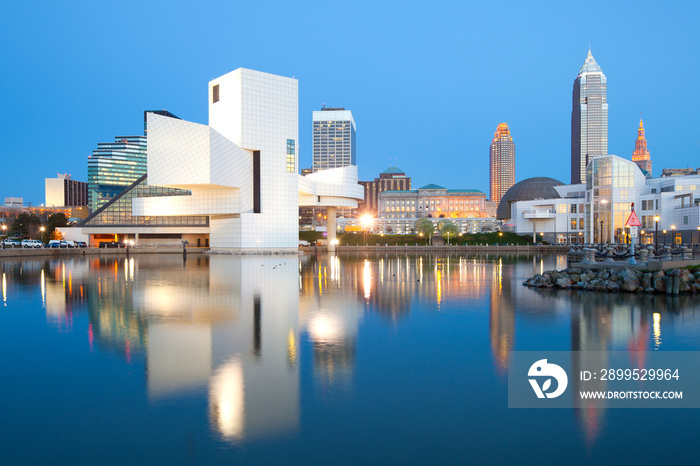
point(291, 151)
point(215, 94)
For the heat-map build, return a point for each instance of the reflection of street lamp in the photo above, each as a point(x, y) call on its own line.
point(656, 221)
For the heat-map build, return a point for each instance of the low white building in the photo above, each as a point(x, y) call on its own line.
point(597, 211)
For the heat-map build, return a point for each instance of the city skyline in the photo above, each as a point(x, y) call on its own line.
point(429, 113)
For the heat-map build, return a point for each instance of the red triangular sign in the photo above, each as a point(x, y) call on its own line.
point(633, 221)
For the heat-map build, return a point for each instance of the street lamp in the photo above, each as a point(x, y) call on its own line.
point(664, 232)
point(642, 238)
point(656, 222)
point(500, 237)
point(602, 224)
point(698, 234)
point(580, 237)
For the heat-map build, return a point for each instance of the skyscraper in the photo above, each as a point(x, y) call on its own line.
point(334, 139)
point(589, 118)
point(641, 155)
point(501, 162)
point(113, 167)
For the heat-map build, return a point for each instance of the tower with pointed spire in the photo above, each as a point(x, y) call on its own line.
point(502, 162)
point(589, 118)
point(641, 155)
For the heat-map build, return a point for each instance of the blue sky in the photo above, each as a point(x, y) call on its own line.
point(427, 82)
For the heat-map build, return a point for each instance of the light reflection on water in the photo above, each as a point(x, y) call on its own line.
point(245, 334)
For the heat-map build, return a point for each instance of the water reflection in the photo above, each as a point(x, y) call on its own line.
point(238, 332)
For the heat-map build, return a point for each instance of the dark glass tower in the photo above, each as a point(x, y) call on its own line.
point(589, 118)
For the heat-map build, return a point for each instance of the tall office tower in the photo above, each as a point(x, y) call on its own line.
point(641, 155)
point(113, 167)
point(589, 118)
point(334, 139)
point(63, 191)
point(502, 162)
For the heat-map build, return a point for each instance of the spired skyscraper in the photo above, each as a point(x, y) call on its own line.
point(641, 155)
point(501, 162)
point(589, 118)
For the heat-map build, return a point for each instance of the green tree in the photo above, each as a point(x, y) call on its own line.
point(425, 226)
point(448, 229)
point(54, 221)
point(25, 225)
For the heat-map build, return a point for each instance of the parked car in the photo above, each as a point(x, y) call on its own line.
point(81, 244)
point(32, 243)
point(56, 243)
point(70, 244)
point(11, 243)
point(110, 244)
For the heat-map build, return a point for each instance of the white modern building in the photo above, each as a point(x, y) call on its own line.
point(598, 210)
point(233, 183)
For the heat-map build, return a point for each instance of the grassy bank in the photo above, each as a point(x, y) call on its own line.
point(357, 238)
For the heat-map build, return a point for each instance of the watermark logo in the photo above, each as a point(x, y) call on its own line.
point(546, 371)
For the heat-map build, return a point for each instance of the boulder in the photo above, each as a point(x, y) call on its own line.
point(683, 286)
point(614, 277)
point(575, 278)
point(660, 285)
point(555, 275)
point(612, 286)
point(647, 280)
point(574, 270)
point(564, 282)
point(630, 284)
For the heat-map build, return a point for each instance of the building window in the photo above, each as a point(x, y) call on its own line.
point(291, 151)
point(685, 220)
point(215, 94)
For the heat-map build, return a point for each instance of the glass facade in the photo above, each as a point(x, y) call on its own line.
point(502, 162)
point(589, 118)
point(117, 212)
point(333, 139)
point(611, 182)
point(113, 167)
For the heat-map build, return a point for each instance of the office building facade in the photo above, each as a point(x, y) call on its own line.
point(333, 139)
point(391, 179)
point(113, 166)
point(64, 191)
point(589, 118)
point(501, 163)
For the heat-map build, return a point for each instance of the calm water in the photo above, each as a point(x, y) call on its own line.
point(383, 359)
